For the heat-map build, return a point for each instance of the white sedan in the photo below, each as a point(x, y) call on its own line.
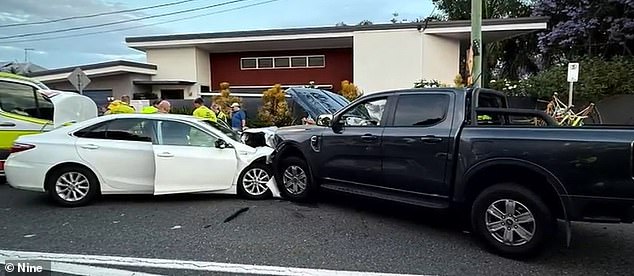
point(139, 154)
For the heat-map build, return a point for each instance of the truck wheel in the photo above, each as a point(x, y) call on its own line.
point(512, 220)
point(295, 182)
point(72, 186)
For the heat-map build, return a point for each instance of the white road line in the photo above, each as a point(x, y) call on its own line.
point(78, 269)
point(180, 264)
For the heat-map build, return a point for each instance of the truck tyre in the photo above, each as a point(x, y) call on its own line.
point(295, 181)
point(512, 220)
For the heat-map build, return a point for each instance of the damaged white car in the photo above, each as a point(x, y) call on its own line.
point(139, 154)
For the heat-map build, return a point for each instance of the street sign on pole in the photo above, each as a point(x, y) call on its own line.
point(79, 80)
point(573, 76)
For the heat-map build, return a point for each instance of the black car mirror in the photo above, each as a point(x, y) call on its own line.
point(222, 144)
point(324, 120)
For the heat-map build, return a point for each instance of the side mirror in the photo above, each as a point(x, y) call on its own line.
point(221, 144)
point(324, 120)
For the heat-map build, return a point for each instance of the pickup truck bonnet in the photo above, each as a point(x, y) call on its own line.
point(70, 107)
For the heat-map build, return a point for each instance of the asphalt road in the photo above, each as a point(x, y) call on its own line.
point(339, 232)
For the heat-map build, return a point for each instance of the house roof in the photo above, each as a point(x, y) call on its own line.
point(95, 66)
point(336, 29)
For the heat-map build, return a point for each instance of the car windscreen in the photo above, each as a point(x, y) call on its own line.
point(224, 128)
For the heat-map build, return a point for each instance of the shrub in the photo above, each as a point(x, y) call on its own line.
point(598, 79)
point(184, 110)
point(350, 91)
point(225, 99)
point(274, 110)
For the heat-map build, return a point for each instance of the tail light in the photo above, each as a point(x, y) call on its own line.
point(19, 147)
point(2, 165)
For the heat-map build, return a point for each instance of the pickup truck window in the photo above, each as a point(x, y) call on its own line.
point(367, 113)
point(421, 110)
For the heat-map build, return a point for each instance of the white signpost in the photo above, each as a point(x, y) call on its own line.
point(573, 76)
point(79, 80)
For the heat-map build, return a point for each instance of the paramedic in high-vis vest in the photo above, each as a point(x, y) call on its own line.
point(152, 109)
point(202, 111)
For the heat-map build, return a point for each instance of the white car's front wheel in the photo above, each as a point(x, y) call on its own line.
point(72, 186)
point(253, 180)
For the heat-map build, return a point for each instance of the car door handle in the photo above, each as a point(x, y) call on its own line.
point(369, 138)
point(89, 146)
point(165, 154)
point(431, 139)
point(7, 124)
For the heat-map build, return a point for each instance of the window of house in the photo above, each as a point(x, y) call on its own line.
point(298, 62)
point(265, 62)
point(249, 63)
point(316, 61)
point(421, 110)
point(279, 62)
point(282, 62)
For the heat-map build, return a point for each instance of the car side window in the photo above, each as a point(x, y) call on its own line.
point(421, 110)
point(367, 113)
point(138, 130)
point(182, 134)
point(18, 99)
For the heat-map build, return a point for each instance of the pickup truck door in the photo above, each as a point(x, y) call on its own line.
point(352, 150)
point(416, 143)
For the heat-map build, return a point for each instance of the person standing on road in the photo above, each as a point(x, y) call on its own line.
point(118, 107)
point(238, 117)
point(202, 111)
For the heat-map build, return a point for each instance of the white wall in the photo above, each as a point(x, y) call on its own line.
point(388, 59)
point(441, 58)
point(173, 63)
point(396, 59)
point(203, 67)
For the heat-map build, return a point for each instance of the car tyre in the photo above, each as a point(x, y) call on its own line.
point(72, 186)
point(294, 179)
point(512, 220)
point(252, 181)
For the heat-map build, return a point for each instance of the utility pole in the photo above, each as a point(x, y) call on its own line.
point(26, 54)
point(476, 41)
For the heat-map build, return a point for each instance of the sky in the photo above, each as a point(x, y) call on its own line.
point(106, 44)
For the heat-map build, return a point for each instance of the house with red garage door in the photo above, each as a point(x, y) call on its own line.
point(375, 57)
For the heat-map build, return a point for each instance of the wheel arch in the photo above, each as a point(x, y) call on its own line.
point(522, 172)
point(291, 149)
point(69, 164)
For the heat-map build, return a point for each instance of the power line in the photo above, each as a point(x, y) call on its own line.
point(143, 26)
point(96, 14)
point(123, 21)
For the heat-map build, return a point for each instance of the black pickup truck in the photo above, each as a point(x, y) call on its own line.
point(466, 150)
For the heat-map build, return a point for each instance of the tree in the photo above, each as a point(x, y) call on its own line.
point(224, 100)
point(586, 27)
point(274, 110)
point(501, 58)
point(349, 90)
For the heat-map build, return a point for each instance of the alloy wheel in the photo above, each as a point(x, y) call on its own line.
point(254, 181)
point(295, 180)
point(510, 222)
point(72, 186)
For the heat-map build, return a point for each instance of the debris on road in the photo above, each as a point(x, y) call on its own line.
point(115, 222)
point(177, 227)
point(236, 214)
point(29, 235)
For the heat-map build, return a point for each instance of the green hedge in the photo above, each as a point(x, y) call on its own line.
point(598, 79)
